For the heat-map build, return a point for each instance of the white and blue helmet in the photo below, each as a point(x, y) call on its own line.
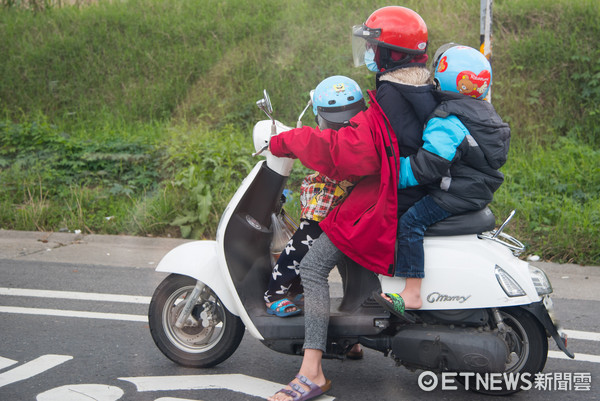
point(463, 70)
point(336, 100)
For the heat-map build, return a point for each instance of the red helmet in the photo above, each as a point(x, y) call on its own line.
point(395, 29)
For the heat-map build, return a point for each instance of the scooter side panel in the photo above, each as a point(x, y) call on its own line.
point(244, 237)
point(459, 274)
point(229, 242)
point(199, 260)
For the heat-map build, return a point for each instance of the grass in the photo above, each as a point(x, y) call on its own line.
point(555, 190)
point(134, 117)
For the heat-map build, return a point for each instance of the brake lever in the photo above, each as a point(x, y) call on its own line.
point(266, 147)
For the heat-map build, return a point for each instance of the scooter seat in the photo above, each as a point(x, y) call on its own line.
point(462, 224)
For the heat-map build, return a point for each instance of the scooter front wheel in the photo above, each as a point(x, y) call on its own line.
point(209, 336)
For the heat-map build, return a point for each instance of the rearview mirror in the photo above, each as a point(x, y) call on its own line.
point(265, 104)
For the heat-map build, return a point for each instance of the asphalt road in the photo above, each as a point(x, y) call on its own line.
point(73, 327)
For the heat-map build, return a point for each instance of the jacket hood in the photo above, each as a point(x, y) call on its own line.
point(483, 122)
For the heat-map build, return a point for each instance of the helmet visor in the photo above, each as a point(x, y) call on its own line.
point(438, 53)
point(325, 124)
point(363, 38)
point(337, 117)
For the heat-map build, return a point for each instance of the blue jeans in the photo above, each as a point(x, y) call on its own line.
point(410, 261)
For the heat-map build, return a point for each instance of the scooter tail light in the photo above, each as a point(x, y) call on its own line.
point(508, 284)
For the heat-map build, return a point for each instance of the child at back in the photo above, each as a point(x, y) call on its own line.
point(465, 143)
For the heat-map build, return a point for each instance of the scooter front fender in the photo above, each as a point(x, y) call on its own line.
point(198, 259)
point(540, 311)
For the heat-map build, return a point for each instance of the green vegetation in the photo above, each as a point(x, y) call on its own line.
point(135, 116)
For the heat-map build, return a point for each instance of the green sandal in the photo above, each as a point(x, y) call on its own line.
point(395, 307)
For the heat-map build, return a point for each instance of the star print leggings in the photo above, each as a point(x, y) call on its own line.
point(285, 277)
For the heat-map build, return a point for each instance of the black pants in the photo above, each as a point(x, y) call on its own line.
point(285, 277)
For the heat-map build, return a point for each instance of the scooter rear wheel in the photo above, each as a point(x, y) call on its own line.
point(528, 351)
point(209, 336)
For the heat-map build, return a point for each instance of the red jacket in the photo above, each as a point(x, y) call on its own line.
point(364, 225)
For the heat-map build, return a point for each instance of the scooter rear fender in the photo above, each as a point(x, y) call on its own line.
point(459, 274)
point(198, 259)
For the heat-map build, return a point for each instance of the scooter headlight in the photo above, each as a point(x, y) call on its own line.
point(540, 281)
point(508, 284)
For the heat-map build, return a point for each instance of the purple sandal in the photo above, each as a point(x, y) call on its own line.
point(299, 393)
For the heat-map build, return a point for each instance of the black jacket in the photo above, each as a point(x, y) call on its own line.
point(460, 167)
point(407, 101)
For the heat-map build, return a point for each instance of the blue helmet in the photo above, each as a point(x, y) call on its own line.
point(464, 70)
point(336, 100)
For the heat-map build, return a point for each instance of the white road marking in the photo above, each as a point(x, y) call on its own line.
point(5, 362)
point(86, 296)
point(582, 335)
point(578, 356)
point(30, 369)
point(82, 392)
point(234, 382)
point(73, 313)
point(173, 399)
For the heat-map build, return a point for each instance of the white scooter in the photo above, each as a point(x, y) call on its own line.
point(484, 310)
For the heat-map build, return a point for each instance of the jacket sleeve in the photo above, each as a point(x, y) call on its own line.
point(445, 140)
point(344, 154)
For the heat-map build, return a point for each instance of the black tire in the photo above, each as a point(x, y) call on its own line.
point(194, 345)
point(528, 347)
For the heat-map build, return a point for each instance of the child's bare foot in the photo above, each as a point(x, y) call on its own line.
point(411, 300)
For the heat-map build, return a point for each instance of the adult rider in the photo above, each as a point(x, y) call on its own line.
point(393, 43)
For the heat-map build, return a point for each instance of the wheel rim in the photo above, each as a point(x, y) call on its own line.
point(518, 344)
point(197, 335)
